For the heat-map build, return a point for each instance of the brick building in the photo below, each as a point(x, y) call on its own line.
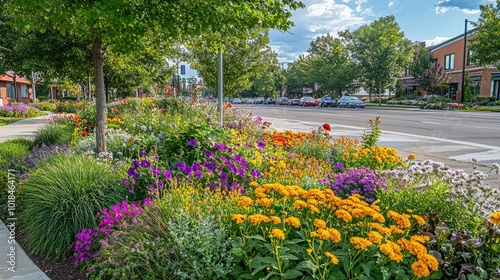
point(14, 89)
point(449, 54)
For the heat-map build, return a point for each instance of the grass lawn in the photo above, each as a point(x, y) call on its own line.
point(6, 121)
point(490, 108)
point(388, 106)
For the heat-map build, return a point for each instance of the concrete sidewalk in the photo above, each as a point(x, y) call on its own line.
point(14, 262)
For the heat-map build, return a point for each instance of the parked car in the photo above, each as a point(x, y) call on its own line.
point(236, 101)
point(350, 102)
point(259, 100)
point(327, 101)
point(270, 100)
point(282, 101)
point(307, 101)
point(293, 101)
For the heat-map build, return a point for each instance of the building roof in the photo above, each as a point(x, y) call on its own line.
point(452, 40)
point(8, 78)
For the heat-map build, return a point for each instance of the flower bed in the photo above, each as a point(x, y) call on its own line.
point(203, 201)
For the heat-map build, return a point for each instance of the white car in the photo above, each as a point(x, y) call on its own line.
point(350, 102)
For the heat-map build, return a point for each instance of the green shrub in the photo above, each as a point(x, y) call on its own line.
point(14, 148)
point(54, 134)
point(46, 106)
point(62, 197)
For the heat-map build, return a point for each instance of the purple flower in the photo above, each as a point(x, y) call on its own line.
point(248, 144)
point(143, 154)
point(339, 166)
point(224, 176)
point(126, 182)
point(261, 145)
point(192, 142)
point(255, 173)
point(168, 174)
point(156, 171)
point(145, 163)
point(143, 128)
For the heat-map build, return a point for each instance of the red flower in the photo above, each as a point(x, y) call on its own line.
point(327, 127)
point(85, 133)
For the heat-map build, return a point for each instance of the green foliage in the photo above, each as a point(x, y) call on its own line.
point(486, 41)
point(62, 197)
point(371, 138)
point(66, 106)
point(54, 134)
point(15, 148)
point(46, 106)
point(6, 121)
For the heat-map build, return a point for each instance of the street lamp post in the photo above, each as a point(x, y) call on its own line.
point(283, 78)
point(463, 63)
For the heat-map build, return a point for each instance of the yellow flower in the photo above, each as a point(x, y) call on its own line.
point(375, 237)
point(319, 223)
point(419, 219)
point(396, 229)
point(495, 218)
point(293, 221)
point(265, 202)
point(239, 218)
point(276, 219)
point(360, 243)
point(333, 258)
point(256, 219)
point(420, 269)
point(309, 250)
point(412, 157)
point(253, 184)
point(334, 234)
point(245, 201)
point(277, 233)
point(344, 215)
point(392, 250)
point(420, 238)
point(313, 209)
point(430, 261)
point(298, 204)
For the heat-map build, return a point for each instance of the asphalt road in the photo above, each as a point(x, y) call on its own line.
point(462, 140)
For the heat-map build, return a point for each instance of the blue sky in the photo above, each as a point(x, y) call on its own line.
point(432, 21)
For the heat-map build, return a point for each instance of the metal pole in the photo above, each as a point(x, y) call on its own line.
point(219, 88)
point(33, 86)
point(463, 63)
point(15, 87)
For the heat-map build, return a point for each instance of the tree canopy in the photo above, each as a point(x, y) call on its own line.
point(485, 45)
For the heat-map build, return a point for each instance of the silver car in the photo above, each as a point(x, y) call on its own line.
point(350, 102)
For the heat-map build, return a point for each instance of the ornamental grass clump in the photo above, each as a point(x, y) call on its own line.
point(362, 181)
point(61, 197)
point(289, 232)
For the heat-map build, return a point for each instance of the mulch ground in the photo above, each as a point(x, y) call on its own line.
point(55, 270)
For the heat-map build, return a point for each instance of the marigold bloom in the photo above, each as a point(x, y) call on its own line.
point(344, 215)
point(412, 157)
point(419, 219)
point(277, 233)
point(360, 243)
point(265, 202)
point(313, 209)
point(420, 238)
point(334, 234)
point(293, 221)
point(375, 237)
point(392, 250)
point(495, 218)
point(276, 220)
point(239, 218)
point(319, 223)
point(245, 201)
point(253, 184)
point(430, 260)
point(396, 230)
point(420, 269)
point(256, 219)
point(298, 204)
point(333, 258)
point(309, 250)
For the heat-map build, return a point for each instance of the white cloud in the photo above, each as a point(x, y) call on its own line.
point(390, 4)
point(466, 6)
point(435, 41)
point(331, 17)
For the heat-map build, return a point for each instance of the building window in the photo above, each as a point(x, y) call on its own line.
point(407, 72)
point(24, 91)
point(469, 54)
point(495, 89)
point(10, 90)
point(449, 61)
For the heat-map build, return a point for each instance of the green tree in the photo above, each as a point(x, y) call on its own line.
point(299, 73)
point(381, 51)
point(486, 43)
point(422, 60)
point(242, 59)
point(120, 24)
point(432, 79)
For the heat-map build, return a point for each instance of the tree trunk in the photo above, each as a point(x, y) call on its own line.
point(100, 128)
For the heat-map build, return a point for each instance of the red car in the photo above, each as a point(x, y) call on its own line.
point(307, 101)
